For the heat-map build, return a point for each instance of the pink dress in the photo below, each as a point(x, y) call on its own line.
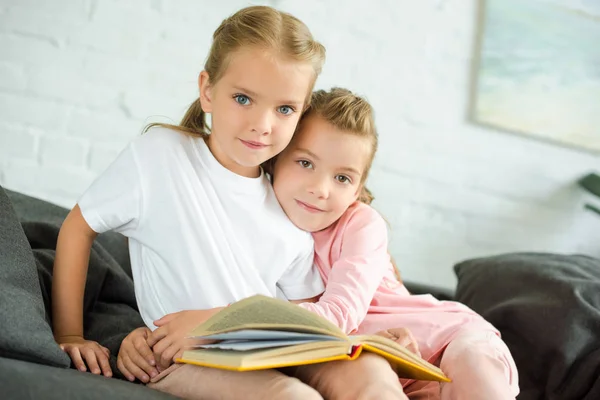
point(362, 294)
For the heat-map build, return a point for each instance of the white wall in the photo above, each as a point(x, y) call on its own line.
point(80, 78)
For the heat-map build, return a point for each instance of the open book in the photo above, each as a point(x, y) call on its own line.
point(260, 332)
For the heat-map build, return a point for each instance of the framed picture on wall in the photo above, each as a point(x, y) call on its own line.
point(538, 70)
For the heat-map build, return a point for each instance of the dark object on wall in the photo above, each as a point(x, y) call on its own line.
point(591, 183)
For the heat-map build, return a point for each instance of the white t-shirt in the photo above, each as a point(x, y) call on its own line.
point(200, 236)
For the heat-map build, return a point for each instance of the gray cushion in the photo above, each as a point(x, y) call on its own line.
point(32, 211)
point(109, 306)
point(547, 307)
point(24, 329)
point(23, 380)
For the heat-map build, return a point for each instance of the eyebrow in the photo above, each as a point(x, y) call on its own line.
point(313, 155)
point(350, 169)
point(254, 94)
point(247, 91)
point(310, 153)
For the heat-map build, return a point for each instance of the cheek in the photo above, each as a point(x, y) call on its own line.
point(285, 130)
point(284, 192)
point(280, 140)
point(282, 183)
point(222, 114)
point(346, 199)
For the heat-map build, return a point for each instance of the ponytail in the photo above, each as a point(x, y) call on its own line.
point(396, 270)
point(193, 122)
point(365, 196)
point(195, 119)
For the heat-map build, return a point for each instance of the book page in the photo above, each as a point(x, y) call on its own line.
point(406, 363)
point(252, 344)
point(262, 312)
point(258, 334)
point(388, 346)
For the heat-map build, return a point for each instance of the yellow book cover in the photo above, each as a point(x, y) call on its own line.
point(261, 332)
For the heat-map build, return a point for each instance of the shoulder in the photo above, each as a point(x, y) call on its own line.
point(161, 137)
point(161, 142)
point(360, 215)
point(361, 231)
point(361, 228)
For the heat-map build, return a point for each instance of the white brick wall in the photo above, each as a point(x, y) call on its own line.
point(80, 78)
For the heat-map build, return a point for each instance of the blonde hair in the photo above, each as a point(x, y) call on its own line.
point(350, 113)
point(261, 27)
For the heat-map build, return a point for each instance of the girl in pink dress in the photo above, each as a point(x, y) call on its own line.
point(319, 181)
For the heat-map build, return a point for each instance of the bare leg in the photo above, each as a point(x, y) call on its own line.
point(201, 383)
point(368, 377)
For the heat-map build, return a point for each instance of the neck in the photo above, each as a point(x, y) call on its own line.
point(227, 162)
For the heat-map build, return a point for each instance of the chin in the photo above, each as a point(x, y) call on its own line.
point(301, 224)
point(316, 227)
point(247, 163)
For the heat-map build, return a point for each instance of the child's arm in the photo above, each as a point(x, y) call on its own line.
point(68, 285)
point(358, 272)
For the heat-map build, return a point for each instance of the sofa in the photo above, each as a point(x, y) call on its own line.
point(547, 307)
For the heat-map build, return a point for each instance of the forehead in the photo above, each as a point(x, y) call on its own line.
point(333, 146)
point(268, 75)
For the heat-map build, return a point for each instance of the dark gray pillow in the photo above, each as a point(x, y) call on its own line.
point(24, 331)
point(109, 305)
point(547, 308)
point(31, 211)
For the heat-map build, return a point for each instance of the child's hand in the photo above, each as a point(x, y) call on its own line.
point(136, 359)
point(88, 352)
point(403, 337)
point(170, 339)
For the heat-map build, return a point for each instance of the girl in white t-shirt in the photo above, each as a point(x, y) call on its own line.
point(194, 202)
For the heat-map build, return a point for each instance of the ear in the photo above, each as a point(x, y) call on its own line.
point(205, 92)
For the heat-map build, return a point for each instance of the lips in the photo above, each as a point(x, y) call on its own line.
point(253, 145)
point(309, 207)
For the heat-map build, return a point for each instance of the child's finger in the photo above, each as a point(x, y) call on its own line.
point(386, 334)
point(165, 319)
point(414, 348)
point(102, 358)
point(141, 362)
point(141, 345)
point(130, 377)
point(90, 358)
point(161, 346)
point(135, 370)
point(75, 355)
point(106, 351)
point(157, 336)
point(166, 357)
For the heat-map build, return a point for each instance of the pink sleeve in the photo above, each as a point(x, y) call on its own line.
point(357, 274)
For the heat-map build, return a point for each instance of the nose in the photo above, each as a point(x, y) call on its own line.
point(319, 187)
point(261, 122)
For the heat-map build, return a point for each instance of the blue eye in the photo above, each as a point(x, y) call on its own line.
point(242, 99)
point(304, 163)
point(285, 110)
